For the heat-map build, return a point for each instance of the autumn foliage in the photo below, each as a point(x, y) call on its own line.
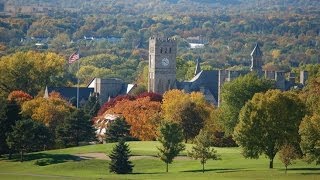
point(47, 110)
point(112, 102)
point(19, 97)
point(142, 114)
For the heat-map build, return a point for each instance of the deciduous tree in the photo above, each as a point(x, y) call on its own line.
point(202, 149)
point(236, 93)
point(142, 115)
point(310, 137)
point(269, 121)
point(30, 71)
point(191, 111)
point(171, 138)
point(287, 154)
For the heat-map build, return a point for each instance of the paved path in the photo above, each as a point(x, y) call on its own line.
point(37, 175)
point(103, 156)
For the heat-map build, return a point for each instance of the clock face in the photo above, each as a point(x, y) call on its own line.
point(165, 62)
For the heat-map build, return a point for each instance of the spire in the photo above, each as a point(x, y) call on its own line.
point(46, 93)
point(256, 51)
point(256, 60)
point(198, 68)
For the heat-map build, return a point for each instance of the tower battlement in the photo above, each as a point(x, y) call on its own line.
point(158, 39)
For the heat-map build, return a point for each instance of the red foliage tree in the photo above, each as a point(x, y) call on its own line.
point(153, 96)
point(112, 102)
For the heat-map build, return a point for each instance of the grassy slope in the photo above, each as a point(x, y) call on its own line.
point(232, 166)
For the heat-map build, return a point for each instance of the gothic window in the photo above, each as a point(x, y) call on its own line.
point(161, 50)
point(170, 50)
point(165, 51)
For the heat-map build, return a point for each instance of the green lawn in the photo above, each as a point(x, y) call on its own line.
point(63, 165)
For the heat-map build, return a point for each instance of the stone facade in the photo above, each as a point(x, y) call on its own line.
point(162, 65)
point(162, 77)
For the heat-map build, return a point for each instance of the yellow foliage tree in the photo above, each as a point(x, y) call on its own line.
point(191, 111)
point(48, 111)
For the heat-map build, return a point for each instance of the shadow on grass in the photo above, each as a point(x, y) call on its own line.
point(306, 169)
point(226, 170)
point(138, 173)
point(43, 159)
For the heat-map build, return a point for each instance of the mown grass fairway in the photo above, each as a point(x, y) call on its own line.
point(64, 165)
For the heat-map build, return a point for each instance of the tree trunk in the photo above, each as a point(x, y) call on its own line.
point(167, 167)
point(21, 155)
point(10, 154)
point(271, 164)
point(202, 167)
point(286, 169)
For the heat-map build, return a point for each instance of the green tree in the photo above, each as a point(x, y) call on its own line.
point(119, 129)
point(269, 121)
point(232, 101)
point(171, 138)
point(310, 138)
point(76, 128)
point(191, 120)
point(202, 149)
point(30, 71)
point(119, 156)
point(287, 154)
point(9, 115)
point(92, 106)
point(27, 135)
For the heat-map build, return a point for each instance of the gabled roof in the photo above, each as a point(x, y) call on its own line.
point(71, 92)
point(256, 52)
point(198, 68)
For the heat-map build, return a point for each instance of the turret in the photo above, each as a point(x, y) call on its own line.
point(256, 60)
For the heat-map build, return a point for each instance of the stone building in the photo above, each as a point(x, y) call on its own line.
point(162, 65)
point(162, 72)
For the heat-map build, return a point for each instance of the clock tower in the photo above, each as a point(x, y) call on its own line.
point(162, 65)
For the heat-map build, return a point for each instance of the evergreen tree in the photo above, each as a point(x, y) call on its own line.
point(171, 138)
point(119, 129)
point(202, 149)
point(78, 127)
point(9, 114)
point(119, 156)
point(27, 135)
point(92, 106)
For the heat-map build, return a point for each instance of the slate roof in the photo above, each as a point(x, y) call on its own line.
point(206, 80)
point(71, 92)
point(256, 52)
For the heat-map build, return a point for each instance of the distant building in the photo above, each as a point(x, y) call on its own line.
point(162, 73)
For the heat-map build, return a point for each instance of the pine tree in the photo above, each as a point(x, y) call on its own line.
point(171, 138)
point(119, 156)
point(202, 149)
point(119, 129)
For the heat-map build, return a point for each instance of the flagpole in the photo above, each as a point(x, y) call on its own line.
point(78, 80)
point(78, 86)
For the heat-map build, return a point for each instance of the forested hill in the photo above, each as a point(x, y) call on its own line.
point(113, 34)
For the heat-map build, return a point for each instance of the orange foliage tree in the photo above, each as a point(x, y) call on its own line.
point(142, 114)
point(19, 97)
